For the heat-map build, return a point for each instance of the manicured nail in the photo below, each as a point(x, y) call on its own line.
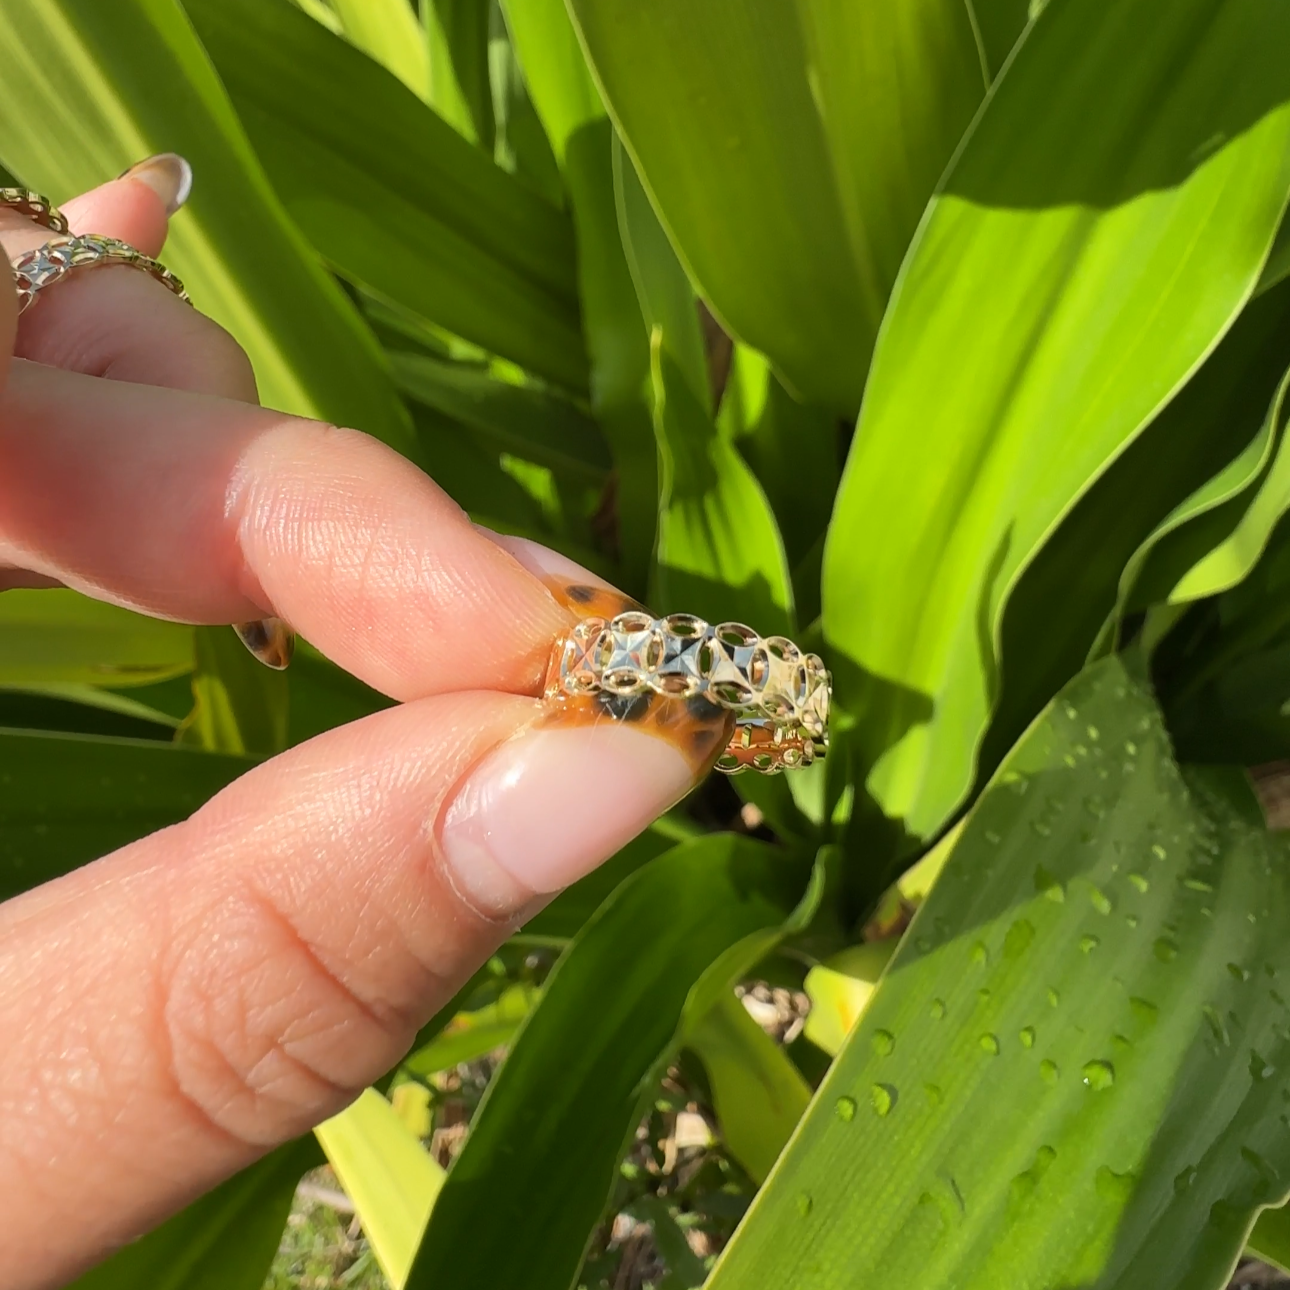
point(167, 174)
point(550, 566)
point(548, 806)
point(269, 639)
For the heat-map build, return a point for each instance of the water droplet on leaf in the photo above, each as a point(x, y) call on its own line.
point(1048, 1071)
point(1100, 900)
point(1099, 1075)
point(990, 1044)
point(846, 1109)
point(938, 1009)
point(883, 1097)
point(883, 1042)
point(1165, 949)
point(1088, 943)
point(1027, 1036)
point(1140, 883)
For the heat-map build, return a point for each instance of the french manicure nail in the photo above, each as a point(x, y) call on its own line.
point(167, 174)
point(545, 808)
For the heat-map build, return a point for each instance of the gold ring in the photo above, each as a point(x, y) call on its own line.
point(42, 267)
point(779, 694)
point(35, 207)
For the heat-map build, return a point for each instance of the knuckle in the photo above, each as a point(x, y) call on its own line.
point(262, 1038)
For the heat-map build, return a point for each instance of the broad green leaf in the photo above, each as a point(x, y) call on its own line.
point(617, 340)
point(67, 799)
point(472, 1035)
point(82, 709)
point(323, 696)
point(840, 990)
point(240, 706)
point(825, 127)
point(520, 144)
point(1270, 1239)
point(1026, 347)
point(759, 1095)
point(666, 298)
point(535, 424)
point(456, 33)
point(114, 83)
point(999, 24)
point(62, 637)
point(391, 1178)
point(1169, 498)
point(224, 1241)
point(1212, 537)
point(424, 219)
point(719, 552)
point(1224, 669)
point(1066, 1076)
point(530, 1184)
point(387, 31)
point(794, 451)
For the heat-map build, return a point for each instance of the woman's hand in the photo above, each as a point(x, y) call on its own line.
point(173, 1010)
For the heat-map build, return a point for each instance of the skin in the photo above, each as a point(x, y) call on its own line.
point(179, 1007)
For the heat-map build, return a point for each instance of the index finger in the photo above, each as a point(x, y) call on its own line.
point(209, 510)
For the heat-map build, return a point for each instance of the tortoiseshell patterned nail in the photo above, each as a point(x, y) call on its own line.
point(269, 639)
point(699, 730)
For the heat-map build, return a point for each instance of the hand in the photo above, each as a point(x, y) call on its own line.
point(175, 1009)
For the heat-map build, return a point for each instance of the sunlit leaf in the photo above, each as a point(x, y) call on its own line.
point(391, 1178)
point(114, 83)
point(1026, 348)
point(1068, 1073)
point(572, 1093)
point(425, 219)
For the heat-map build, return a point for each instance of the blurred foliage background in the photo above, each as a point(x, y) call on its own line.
point(951, 337)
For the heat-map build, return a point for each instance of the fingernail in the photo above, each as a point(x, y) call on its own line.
point(548, 806)
point(269, 639)
point(167, 174)
point(541, 560)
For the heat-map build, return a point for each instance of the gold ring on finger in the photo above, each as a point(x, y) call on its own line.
point(37, 269)
point(34, 206)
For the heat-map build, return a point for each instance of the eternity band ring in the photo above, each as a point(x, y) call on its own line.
point(42, 267)
point(36, 207)
point(779, 694)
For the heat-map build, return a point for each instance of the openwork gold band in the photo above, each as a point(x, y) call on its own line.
point(34, 270)
point(35, 207)
point(780, 695)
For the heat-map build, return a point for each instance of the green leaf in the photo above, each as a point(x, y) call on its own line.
point(759, 1095)
point(535, 424)
point(1270, 1239)
point(387, 31)
point(391, 1178)
point(999, 24)
point(425, 219)
point(472, 1035)
point(62, 637)
point(1066, 1074)
point(1166, 501)
point(240, 705)
point(457, 39)
point(82, 709)
point(224, 1241)
point(796, 151)
point(1234, 495)
point(617, 341)
point(522, 1198)
point(323, 696)
point(1024, 349)
point(118, 82)
point(67, 799)
point(719, 553)
point(793, 449)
